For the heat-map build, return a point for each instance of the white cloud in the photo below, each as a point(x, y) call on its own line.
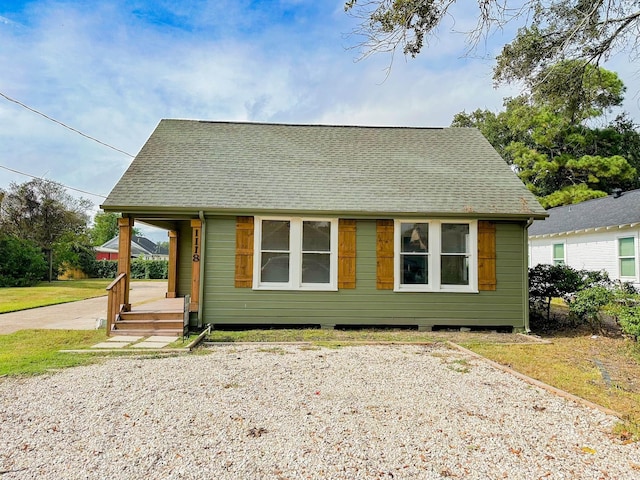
point(114, 74)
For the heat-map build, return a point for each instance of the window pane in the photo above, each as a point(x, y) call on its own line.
point(275, 235)
point(414, 237)
point(415, 269)
point(626, 247)
point(558, 251)
point(275, 267)
point(316, 236)
point(454, 270)
point(316, 267)
point(627, 267)
point(455, 237)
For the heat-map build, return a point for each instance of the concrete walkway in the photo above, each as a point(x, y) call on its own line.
point(81, 315)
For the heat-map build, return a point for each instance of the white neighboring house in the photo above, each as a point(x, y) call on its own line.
point(599, 234)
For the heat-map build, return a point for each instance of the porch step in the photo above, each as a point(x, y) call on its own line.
point(151, 315)
point(149, 323)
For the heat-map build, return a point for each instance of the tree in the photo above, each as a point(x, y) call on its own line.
point(552, 30)
point(43, 212)
point(75, 250)
point(105, 227)
point(546, 138)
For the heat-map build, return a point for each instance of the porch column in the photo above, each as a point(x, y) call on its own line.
point(173, 264)
point(196, 251)
point(125, 228)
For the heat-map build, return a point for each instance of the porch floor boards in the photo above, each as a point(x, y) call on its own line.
point(162, 305)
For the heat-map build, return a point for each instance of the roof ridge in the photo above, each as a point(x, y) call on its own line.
point(320, 125)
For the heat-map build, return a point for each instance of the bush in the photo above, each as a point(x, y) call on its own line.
point(547, 282)
point(588, 303)
point(106, 268)
point(625, 307)
point(141, 269)
point(21, 262)
point(149, 269)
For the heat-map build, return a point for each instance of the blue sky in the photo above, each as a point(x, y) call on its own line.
point(112, 69)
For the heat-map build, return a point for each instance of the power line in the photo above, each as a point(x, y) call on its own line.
point(40, 178)
point(64, 125)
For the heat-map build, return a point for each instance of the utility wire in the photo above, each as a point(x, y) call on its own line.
point(64, 125)
point(40, 178)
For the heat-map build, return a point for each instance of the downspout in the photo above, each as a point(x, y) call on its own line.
point(203, 250)
point(525, 275)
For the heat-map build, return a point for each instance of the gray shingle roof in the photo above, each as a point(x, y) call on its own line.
point(254, 167)
point(599, 212)
point(139, 245)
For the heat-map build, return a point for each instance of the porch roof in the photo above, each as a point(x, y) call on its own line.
point(257, 167)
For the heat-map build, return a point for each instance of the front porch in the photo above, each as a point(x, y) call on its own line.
point(168, 316)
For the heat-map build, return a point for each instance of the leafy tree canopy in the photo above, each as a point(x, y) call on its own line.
point(42, 212)
point(551, 30)
point(546, 137)
point(105, 227)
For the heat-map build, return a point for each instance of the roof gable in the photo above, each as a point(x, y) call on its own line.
point(599, 212)
point(254, 167)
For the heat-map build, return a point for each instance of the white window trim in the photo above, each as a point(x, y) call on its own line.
point(636, 252)
point(435, 237)
point(564, 253)
point(295, 256)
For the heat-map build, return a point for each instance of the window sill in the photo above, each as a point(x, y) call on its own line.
point(441, 290)
point(289, 288)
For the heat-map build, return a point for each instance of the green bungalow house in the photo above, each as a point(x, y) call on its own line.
point(273, 224)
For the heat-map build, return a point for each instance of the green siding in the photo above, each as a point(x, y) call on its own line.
point(364, 305)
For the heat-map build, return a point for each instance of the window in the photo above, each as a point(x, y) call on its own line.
point(295, 253)
point(558, 254)
point(433, 255)
point(454, 260)
point(627, 257)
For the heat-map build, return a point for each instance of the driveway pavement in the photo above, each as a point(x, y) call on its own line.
point(81, 315)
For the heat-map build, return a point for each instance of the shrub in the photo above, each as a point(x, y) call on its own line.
point(149, 269)
point(106, 268)
point(547, 282)
point(625, 307)
point(588, 303)
point(141, 269)
point(21, 262)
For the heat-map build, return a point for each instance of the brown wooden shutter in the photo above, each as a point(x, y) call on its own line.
point(486, 255)
point(346, 253)
point(244, 252)
point(384, 254)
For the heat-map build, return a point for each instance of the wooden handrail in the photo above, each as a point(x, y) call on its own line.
point(117, 279)
point(115, 300)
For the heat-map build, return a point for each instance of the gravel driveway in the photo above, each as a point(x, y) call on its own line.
point(292, 412)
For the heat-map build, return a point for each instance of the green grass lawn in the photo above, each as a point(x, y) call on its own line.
point(45, 293)
point(30, 352)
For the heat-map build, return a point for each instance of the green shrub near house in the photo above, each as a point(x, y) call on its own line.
point(21, 262)
point(587, 294)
